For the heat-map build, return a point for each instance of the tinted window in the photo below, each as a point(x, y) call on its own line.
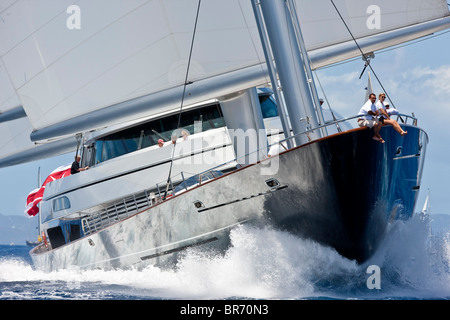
point(147, 134)
point(268, 107)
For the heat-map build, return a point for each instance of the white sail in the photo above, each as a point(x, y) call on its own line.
point(74, 68)
point(426, 205)
point(123, 50)
point(8, 97)
point(322, 26)
point(369, 88)
point(15, 129)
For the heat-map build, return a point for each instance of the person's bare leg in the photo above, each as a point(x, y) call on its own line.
point(377, 136)
point(396, 126)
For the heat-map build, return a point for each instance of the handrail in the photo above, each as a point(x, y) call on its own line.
point(328, 124)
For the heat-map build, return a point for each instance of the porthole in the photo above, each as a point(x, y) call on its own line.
point(272, 183)
point(198, 204)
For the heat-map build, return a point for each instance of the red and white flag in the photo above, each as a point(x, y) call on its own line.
point(35, 196)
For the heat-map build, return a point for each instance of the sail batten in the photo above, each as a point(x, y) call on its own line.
point(37, 152)
point(160, 102)
point(12, 114)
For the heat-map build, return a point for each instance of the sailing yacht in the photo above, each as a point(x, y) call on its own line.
point(220, 82)
point(426, 205)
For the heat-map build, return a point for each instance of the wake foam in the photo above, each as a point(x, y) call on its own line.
point(260, 264)
point(415, 262)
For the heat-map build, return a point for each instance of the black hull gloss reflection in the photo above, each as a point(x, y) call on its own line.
point(347, 188)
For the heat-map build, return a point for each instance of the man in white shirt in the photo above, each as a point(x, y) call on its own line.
point(368, 117)
point(388, 110)
point(385, 113)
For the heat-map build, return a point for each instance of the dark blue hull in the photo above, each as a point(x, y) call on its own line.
point(353, 187)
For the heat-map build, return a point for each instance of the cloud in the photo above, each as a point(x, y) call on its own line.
point(343, 90)
point(437, 79)
point(344, 78)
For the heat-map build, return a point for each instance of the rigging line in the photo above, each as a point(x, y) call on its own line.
point(182, 97)
point(364, 56)
point(329, 105)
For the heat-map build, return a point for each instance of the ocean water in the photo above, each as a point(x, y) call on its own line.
point(262, 264)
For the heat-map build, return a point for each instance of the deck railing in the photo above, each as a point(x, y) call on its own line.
point(126, 207)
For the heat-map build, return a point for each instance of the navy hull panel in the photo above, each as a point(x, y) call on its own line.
point(351, 188)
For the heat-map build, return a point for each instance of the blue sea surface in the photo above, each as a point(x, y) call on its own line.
point(261, 265)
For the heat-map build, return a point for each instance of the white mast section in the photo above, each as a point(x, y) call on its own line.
point(276, 88)
point(291, 5)
point(290, 69)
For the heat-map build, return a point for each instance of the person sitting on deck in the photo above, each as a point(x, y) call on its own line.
point(368, 117)
point(385, 115)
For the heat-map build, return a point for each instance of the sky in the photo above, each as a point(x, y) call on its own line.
point(416, 77)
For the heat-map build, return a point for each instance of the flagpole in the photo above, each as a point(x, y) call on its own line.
point(39, 213)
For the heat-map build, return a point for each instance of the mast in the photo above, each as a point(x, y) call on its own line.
point(39, 213)
point(292, 9)
point(290, 68)
point(276, 88)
